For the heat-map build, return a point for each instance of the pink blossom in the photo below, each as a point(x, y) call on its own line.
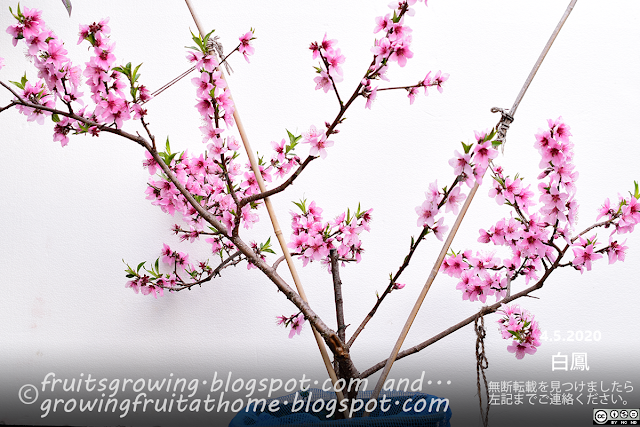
point(484, 236)
point(559, 129)
point(245, 47)
point(584, 256)
point(426, 214)
point(412, 94)
point(382, 23)
point(327, 44)
point(210, 133)
point(381, 49)
point(335, 59)
point(511, 189)
point(60, 131)
point(454, 265)
point(296, 325)
point(203, 85)
point(318, 146)
point(433, 193)
point(56, 53)
point(426, 82)
point(208, 62)
point(520, 349)
point(460, 164)
point(323, 82)
point(279, 149)
point(400, 32)
point(369, 93)
point(401, 52)
point(473, 288)
point(317, 248)
point(167, 254)
point(439, 79)
point(439, 230)
point(205, 107)
point(484, 153)
point(32, 23)
point(298, 241)
point(455, 197)
point(37, 43)
point(133, 284)
point(631, 212)
point(616, 251)
point(232, 143)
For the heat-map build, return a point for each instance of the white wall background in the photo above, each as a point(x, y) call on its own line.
point(70, 215)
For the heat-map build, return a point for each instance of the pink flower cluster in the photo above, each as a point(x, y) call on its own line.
point(144, 285)
point(477, 274)
point(107, 82)
point(205, 177)
point(469, 168)
point(153, 282)
point(395, 46)
point(519, 325)
point(528, 235)
point(624, 217)
point(214, 99)
point(245, 47)
point(317, 140)
point(61, 80)
point(330, 70)
point(532, 237)
point(284, 159)
point(295, 322)
point(313, 239)
point(214, 102)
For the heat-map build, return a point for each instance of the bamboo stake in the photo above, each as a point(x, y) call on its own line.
point(274, 221)
point(452, 233)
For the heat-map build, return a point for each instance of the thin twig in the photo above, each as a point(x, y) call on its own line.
point(405, 264)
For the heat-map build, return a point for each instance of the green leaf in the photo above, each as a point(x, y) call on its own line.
point(55, 118)
point(266, 247)
point(302, 205)
point(67, 5)
point(140, 266)
point(206, 38)
point(490, 135)
point(20, 85)
point(135, 73)
point(466, 147)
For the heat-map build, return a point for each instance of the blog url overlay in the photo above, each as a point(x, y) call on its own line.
point(123, 396)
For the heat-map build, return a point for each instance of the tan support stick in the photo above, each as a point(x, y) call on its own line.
point(274, 220)
point(452, 233)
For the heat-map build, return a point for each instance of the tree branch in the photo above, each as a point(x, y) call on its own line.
point(337, 290)
point(485, 310)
